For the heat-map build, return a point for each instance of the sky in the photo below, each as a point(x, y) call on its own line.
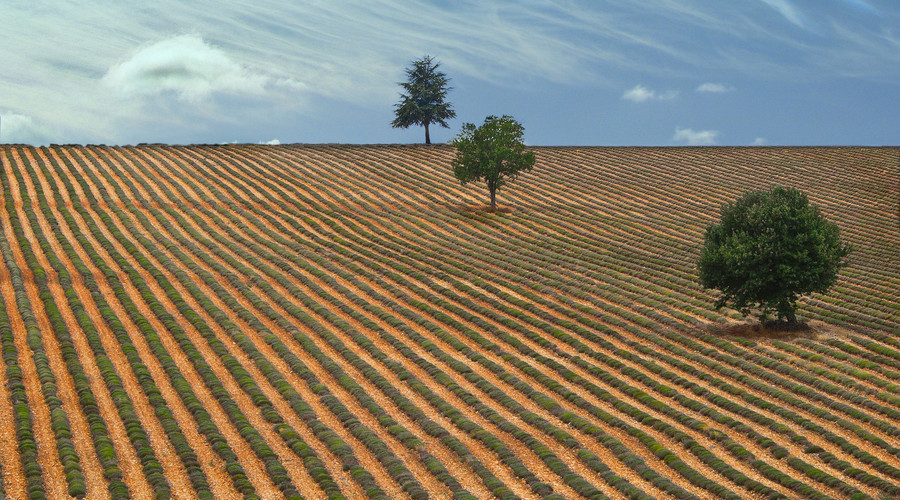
point(573, 72)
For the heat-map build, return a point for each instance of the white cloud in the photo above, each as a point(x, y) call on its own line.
point(641, 93)
point(273, 142)
point(760, 141)
point(698, 138)
point(185, 65)
point(714, 88)
point(22, 129)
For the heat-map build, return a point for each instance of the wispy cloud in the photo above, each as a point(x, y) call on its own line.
point(786, 9)
point(640, 93)
point(715, 88)
point(695, 138)
point(112, 72)
point(862, 5)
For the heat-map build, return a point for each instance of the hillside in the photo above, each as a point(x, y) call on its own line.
point(327, 321)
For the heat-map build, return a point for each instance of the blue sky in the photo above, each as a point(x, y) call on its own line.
point(585, 72)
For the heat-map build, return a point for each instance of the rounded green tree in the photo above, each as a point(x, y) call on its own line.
point(770, 248)
point(493, 152)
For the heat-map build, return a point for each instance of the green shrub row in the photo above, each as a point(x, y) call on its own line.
point(275, 275)
point(59, 420)
point(832, 373)
point(787, 414)
point(892, 353)
point(782, 451)
point(134, 429)
point(815, 388)
point(355, 300)
point(867, 358)
point(18, 398)
point(305, 373)
point(855, 367)
point(205, 425)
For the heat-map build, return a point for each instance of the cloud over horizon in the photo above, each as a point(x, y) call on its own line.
point(184, 65)
point(21, 129)
point(695, 138)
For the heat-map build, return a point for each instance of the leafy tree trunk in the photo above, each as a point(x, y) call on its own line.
point(427, 136)
point(787, 311)
point(492, 187)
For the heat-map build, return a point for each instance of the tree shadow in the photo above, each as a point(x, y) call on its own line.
point(778, 330)
point(467, 208)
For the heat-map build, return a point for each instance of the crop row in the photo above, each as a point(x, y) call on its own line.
point(336, 302)
point(250, 257)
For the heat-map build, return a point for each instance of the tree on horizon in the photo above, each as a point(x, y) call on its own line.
point(423, 99)
point(494, 152)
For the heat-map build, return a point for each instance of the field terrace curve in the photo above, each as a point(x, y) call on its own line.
point(337, 321)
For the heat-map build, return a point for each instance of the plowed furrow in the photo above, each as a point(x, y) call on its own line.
point(14, 481)
point(47, 455)
point(248, 458)
point(438, 388)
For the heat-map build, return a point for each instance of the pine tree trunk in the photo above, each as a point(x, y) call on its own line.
point(427, 136)
point(493, 191)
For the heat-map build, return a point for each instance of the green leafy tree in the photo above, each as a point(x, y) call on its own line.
point(422, 103)
point(770, 248)
point(493, 152)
